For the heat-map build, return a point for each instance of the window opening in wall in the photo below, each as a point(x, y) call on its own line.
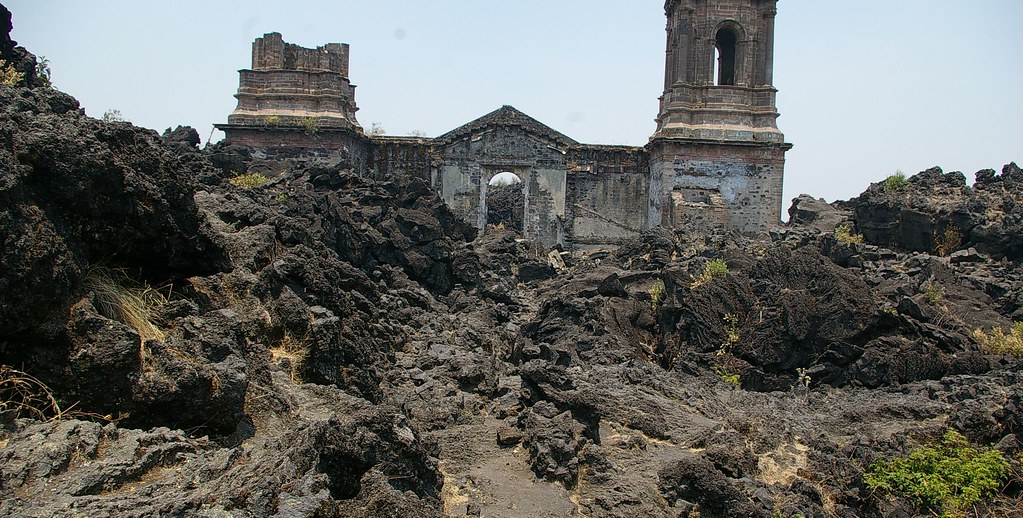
point(724, 54)
point(506, 201)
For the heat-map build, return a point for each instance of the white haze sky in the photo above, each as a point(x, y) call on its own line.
point(865, 87)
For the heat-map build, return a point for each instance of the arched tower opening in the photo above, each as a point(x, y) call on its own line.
point(724, 52)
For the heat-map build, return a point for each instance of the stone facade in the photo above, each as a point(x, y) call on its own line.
point(506, 140)
point(607, 193)
point(716, 159)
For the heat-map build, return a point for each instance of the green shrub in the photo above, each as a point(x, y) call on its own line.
point(950, 475)
point(43, 72)
point(845, 234)
point(249, 180)
point(113, 116)
point(732, 336)
point(934, 293)
point(656, 294)
point(311, 125)
point(732, 378)
point(713, 268)
point(272, 120)
point(1000, 342)
point(895, 182)
point(727, 365)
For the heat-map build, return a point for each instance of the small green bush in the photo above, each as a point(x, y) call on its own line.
point(845, 234)
point(248, 180)
point(732, 335)
point(113, 115)
point(311, 125)
point(656, 295)
point(1000, 342)
point(43, 72)
point(895, 182)
point(934, 293)
point(714, 268)
point(272, 120)
point(950, 475)
point(732, 378)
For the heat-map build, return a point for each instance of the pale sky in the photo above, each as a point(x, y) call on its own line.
point(865, 87)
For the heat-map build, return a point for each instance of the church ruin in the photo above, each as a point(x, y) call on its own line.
point(716, 159)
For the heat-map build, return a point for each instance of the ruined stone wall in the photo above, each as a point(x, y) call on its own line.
point(352, 149)
point(716, 159)
point(465, 167)
point(576, 194)
point(607, 194)
point(271, 53)
point(713, 183)
point(401, 156)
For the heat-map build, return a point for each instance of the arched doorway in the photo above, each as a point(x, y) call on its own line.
point(506, 201)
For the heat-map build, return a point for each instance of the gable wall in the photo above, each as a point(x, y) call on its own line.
point(401, 156)
point(573, 194)
point(465, 166)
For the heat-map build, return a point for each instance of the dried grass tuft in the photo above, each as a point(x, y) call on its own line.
point(295, 351)
point(119, 298)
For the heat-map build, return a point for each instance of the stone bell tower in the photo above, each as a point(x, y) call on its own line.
point(294, 97)
point(717, 157)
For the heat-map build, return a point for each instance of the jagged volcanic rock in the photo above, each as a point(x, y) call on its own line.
point(937, 212)
point(11, 53)
point(325, 345)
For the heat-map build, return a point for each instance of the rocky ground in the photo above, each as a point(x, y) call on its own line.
point(327, 345)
